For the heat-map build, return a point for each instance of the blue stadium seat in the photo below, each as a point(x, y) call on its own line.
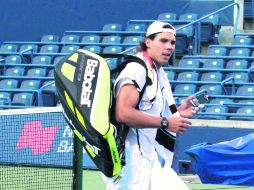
point(220, 101)
point(49, 97)
point(23, 99)
point(132, 40)
point(130, 50)
point(30, 84)
point(167, 16)
point(211, 76)
point(212, 89)
point(112, 27)
point(112, 49)
point(184, 40)
point(91, 39)
point(238, 76)
point(246, 101)
point(213, 63)
point(252, 63)
point(242, 41)
point(187, 31)
point(8, 84)
point(50, 48)
point(111, 39)
point(5, 98)
point(188, 76)
point(210, 28)
point(42, 59)
point(9, 48)
point(170, 75)
point(245, 90)
point(136, 27)
point(36, 72)
point(33, 48)
point(237, 64)
point(189, 63)
point(69, 48)
point(216, 51)
point(70, 39)
point(216, 112)
point(15, 71)
point(57, 59)
point(187, 89)
point(50, 73)
point(239, 52)
point(243, 112)
point(50, 38)
point(188, 16)
point(95, 49)
point(112, 63)
point(13, 59)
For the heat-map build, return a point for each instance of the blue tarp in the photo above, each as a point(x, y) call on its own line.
point(229, 162)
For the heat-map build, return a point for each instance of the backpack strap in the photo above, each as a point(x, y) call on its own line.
point(128, 59)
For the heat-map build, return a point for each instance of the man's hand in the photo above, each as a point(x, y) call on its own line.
point(188, 109)
point(178, 124)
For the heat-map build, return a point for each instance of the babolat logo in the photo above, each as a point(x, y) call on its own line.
point(87, 82)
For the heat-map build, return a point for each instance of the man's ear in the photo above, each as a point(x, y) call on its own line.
point(148, 42)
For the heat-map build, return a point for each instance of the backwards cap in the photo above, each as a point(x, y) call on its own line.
point(158, 26)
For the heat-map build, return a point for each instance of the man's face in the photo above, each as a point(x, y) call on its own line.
point(161, 47)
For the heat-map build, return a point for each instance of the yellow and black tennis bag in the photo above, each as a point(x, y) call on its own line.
point(83, 84)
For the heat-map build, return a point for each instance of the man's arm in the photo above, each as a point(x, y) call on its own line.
point(127, 113)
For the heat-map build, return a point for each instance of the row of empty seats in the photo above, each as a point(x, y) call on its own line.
point(220, 50)
point(110, 44)
point(10, 60)
point(29, 92)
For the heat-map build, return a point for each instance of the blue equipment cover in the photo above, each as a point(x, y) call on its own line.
point(229, 162)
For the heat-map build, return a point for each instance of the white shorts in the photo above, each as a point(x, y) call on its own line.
point(142, 173)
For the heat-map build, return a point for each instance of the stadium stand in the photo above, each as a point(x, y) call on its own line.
point(70, 39)
point(112, 27)
point(136, 27)
point(225, 72)
point(13, 59)
point(93, 38)
point(112, 49)
point(33, 48)
point(50, 48)
point(216, 51)
point(36, 72)
point(213, 63)
point(188, 76)
point(210, 29)
point(242, 41)
point(9, 84)
point(95, 49)
point(167, 16)
point(8, 48)
point(42, 59)
point(50, 38)
point(237, 64)
point(185, 89)
point(23, 99)
point(30, 84)
point(69, 48)
point(111, 39)
point(15, 71)
point(189, 63)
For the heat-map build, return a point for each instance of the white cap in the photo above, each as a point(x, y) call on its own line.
point(158, 26)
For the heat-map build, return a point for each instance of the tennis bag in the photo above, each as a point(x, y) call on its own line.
point(84, 86)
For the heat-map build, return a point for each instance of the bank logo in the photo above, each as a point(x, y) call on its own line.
point(36, 137)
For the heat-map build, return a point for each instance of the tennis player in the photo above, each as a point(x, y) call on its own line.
point(145, 115)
